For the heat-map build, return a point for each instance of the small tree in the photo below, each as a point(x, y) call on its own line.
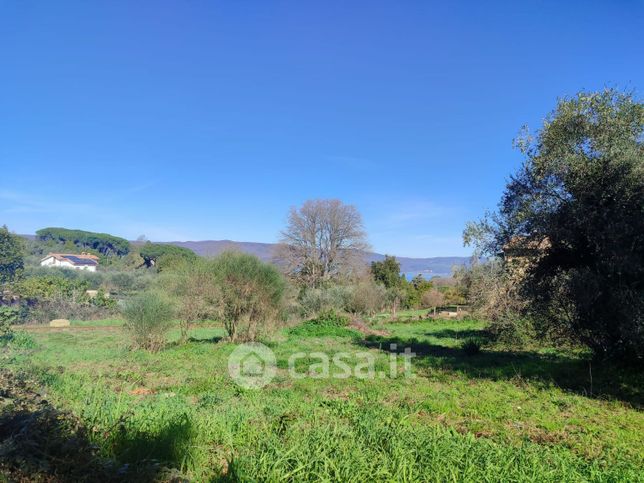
point(194, 288)
point(396, 296)
point(11, 256)
point(431, 299)
point(249, 296)
point(367, 297)
point(165, 256)
point(148, 318)
point(415, 290)
point(387, 272)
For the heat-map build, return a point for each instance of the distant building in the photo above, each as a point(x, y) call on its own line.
point(84, 261)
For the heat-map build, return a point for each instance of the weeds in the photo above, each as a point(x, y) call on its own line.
point(494, 417)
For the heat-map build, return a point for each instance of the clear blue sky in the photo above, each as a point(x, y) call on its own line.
point(192, 120)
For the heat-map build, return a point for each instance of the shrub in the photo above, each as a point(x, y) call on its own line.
point(328, 323)
point(148, 318)
point(432, 298)
point(8, 317)
point(21, 340)
point(493, 296)
point(194, 289)
point(471, 346)
point(250, 294)
point(314, 301)
point(367, 297)
point(49, 287)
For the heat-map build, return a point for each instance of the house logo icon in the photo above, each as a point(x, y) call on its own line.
point(252, 366)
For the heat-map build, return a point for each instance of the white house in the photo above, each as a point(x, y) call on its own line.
point(84, 261)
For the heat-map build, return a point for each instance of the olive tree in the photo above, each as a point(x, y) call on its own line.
point(573, 217)
point(324, 240)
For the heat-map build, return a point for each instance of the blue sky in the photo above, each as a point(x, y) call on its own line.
point(208, 120)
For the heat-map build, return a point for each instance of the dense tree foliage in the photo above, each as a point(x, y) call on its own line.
point(11, 256)
point(160, 254)
point(101, 242)
point(387, 272)
point(571, 223)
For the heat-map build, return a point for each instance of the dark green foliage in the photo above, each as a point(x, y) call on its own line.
point(11, 256)
point(47, 287)
point(101, 242)
point(575, 213)
point(328, 323)
point(148, 318)
point(163, 255)
point(415, 290)
point(387, 272)
point(8, 317)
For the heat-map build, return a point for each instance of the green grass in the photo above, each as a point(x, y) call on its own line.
point(492, 416)
point(97, 323)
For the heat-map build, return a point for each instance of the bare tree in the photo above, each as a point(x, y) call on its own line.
point(323, 240)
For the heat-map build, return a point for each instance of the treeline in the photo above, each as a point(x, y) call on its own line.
point(102, 243)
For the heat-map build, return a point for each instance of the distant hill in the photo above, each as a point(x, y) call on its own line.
point(264, 251)
point(409, 266)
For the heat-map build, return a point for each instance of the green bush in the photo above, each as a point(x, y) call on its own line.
point(47, 287)
point(317, 300)
point(20, 340)
point(8, 317)
point(250, 294)
point(148, 318)
point(328, 323)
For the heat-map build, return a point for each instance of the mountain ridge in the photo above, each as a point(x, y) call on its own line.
point(264, 251)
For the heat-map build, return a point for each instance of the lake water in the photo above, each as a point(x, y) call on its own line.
point(426, 275)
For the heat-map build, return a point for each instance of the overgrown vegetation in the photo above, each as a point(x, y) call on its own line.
point(495, 416)
point(11, 256)
point(516, 396)
point(328, 323)
point(571, 225)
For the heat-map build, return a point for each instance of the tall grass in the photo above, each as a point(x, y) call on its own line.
point(317, 440)
point(492, 417)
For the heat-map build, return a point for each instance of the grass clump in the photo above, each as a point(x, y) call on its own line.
point(328, 323)
point(472, 346)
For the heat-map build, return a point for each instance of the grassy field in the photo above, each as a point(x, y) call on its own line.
point(496, 415)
